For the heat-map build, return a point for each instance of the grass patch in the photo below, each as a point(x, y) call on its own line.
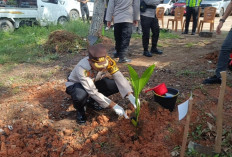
point(189, 45)
point(164, 34)
point(190, 73)
point(24, 45)
point(229, 84)
point(187, 73)
point(201, 87)
point(198, 131)
point(77, 27)
point(7, 69)
point(109, 34)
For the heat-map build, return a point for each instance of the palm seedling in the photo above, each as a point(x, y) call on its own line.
point(138, 84)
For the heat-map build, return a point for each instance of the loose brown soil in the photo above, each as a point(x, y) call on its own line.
point(62, 41)
point(37, 117)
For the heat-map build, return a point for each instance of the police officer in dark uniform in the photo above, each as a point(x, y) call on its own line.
point(192, 9)
point(124, 13)
point(88, 84)
point(150, 22)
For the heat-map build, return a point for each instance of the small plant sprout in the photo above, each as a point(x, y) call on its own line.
point(138, 84)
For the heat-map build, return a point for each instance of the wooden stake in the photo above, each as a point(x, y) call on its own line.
point(186, 128)
point(218, 140)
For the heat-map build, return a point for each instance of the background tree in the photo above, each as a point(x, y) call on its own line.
point(97, 19)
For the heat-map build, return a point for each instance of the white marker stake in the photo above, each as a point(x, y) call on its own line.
point(186, 128)
point(218, 140)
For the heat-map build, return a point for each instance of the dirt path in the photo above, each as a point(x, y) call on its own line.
point(37, 117)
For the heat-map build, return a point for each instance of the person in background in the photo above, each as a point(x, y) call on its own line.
point(84, 9)
point(137, 28)
point(125, 13)
point(89, 85)
point(4, 2)
point(150, 22)
point(225, 51)
point(105, 22)
point(192, 8)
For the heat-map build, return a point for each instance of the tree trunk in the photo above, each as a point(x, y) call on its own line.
point(97, 19)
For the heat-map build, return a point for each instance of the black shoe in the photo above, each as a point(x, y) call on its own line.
point(156, 51)
point(184, 32)
point(147, 54)
point(115, 54)
point(93, 104)
point(81, 118)
point(213, 80)
point(193, 33)
point(124, 60)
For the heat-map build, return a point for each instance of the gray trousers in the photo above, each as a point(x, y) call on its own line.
point(224, 54)
point(85, 11)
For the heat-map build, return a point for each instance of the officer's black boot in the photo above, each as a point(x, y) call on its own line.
point(123, 58)
point(147, 54)
point(81, 118)
point(156, 51)
point(115, 54)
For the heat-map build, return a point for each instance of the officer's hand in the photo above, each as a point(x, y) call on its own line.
point(120, 111)
point(218, 30)
point(132, 100)
point(112, 67)
point(108, 24)
point(135, 23)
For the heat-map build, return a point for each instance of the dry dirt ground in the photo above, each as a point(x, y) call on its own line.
point(37, 118)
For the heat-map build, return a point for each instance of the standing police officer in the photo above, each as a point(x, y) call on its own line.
point(125, 13)
point(88, 85)
point(150, 21)
point(192, 9)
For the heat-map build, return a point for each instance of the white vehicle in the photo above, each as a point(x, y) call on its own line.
point(167, 4)
point(220, 5)
point(73, 8)
point(15, 13)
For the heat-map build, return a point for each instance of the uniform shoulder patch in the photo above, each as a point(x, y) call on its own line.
point(87, 73)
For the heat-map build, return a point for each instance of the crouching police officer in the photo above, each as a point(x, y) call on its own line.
point(88, 85)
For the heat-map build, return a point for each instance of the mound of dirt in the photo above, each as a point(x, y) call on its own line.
point(213, 56)
point(107, 42)
point(62, 41)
